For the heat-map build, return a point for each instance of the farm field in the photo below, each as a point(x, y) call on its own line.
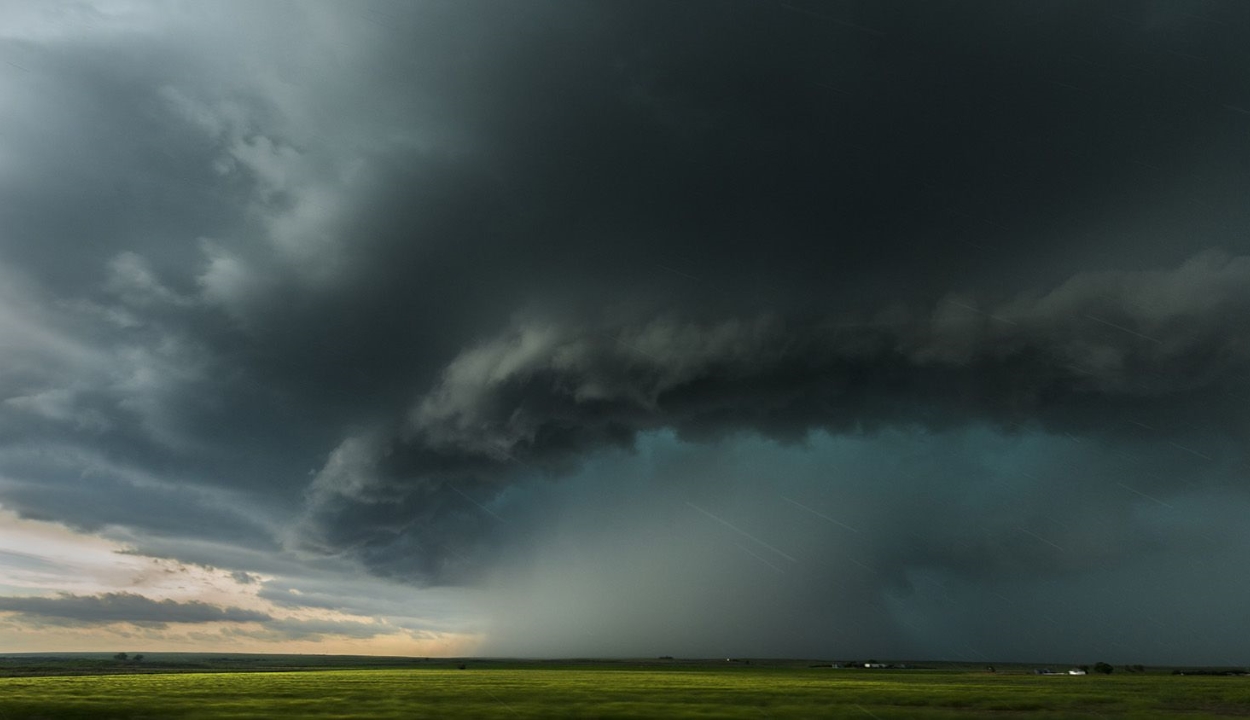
point(572, 692)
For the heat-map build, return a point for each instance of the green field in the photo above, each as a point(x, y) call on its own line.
point(570, 692)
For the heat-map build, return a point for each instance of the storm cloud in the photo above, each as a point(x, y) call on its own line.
point(884, 319)
point(1091, 357)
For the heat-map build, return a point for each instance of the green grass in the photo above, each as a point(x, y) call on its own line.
point(538, 692)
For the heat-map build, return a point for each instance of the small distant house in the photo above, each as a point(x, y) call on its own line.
point(1076, 671)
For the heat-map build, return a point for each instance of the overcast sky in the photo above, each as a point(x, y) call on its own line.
point(627, 328)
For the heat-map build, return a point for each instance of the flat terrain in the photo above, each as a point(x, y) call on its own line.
point(540, 690)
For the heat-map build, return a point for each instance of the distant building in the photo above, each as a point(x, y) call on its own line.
point(1076, 671)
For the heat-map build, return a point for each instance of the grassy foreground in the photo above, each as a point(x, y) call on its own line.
point(614, 693)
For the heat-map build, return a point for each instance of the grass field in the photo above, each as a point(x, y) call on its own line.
point(618, 693)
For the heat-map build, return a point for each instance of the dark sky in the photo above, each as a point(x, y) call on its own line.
point(747, 327)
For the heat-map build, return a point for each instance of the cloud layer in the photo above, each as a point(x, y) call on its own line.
point(123, 607)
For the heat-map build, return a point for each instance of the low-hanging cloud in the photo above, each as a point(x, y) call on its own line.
point(1090, 356)
point(120, 607)
point(1114, 335)
point(105, 609)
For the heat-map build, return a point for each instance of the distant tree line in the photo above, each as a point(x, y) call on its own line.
point(123, 657)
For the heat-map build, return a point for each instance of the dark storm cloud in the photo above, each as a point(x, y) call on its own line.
point(688, 206)
point(1103, 355)
point(565, 159)
point(123, 607)
point(1143, 337)
point(347, 278)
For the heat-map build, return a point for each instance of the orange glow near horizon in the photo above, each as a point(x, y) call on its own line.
point(46, 559)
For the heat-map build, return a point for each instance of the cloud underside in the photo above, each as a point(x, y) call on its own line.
point(109, 609)
point(1102, 356)
point(124, 607)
